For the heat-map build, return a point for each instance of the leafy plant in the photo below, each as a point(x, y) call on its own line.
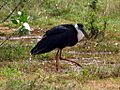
point(21, 21)
point(95, 23)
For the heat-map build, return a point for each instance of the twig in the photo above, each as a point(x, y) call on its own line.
point(3, 5)
point(6, 39)
point(12, 12)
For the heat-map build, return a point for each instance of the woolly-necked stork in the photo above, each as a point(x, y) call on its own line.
point(59, 37)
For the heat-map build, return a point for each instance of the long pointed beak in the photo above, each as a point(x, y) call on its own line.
point(86, 35)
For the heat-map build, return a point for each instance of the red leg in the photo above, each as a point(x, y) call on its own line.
point(57, 58)
point(68, 59)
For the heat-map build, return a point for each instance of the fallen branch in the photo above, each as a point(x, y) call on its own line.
point(19, 38)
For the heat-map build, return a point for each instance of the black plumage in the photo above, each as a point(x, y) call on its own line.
point(59, 37)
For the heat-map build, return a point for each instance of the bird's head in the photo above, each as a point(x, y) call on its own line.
point(81, 27)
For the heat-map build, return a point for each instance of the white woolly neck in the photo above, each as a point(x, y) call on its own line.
point(80, 34)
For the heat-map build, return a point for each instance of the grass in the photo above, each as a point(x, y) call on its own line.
point(37, 74)
point(40, 79)
point(10, 52)
point(46, 14)
point(18, 73)
point(100, 60)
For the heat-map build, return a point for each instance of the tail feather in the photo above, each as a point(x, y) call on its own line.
point(43, 46)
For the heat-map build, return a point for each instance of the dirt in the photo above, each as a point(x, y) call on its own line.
point(107, 84)
point(6, 30)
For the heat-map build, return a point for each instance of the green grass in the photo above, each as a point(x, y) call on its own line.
point(40, 79)
point(20, 51)
point(17, 73)
point(46, 14)
point(100, 71)
point(16, 52)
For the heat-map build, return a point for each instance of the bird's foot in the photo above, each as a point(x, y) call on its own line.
point(70, 61)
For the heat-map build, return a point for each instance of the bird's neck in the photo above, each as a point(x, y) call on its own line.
point(80, 34)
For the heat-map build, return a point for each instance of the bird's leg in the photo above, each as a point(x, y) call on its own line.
point(57, 58)
point(68, 59)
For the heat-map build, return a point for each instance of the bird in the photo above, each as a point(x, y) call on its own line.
point(59, 37)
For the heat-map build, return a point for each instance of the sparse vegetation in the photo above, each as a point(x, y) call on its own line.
point(100, 58)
